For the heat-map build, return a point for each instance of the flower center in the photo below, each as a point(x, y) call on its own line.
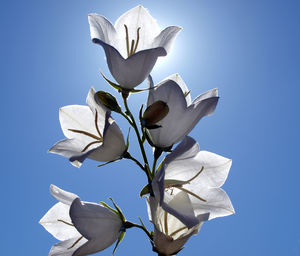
point(171, 184)
point(134, 44)
point(98, 139)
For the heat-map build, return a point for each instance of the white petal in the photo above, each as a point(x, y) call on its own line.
point(97, 108)
point(181, 207)
point(102, 29)
point(206, 95)
point(95, 222)
point(166, 38)
point(77, 117)
point(181, 118)
point(72, 149)
point(168, 91)
point(135, 18)
point(113, 145)
point(218, 203)
point(56, 221)
point(132, 71)
point(90, 247)
point(68, 247)
point(61, 195)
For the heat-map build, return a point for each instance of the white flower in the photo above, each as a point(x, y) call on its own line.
point(84, 228)
point(91, 133)
point(170, 234)
point(194, 178)
point(183, 114)
point(132, 45)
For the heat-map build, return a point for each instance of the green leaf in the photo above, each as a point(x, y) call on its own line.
point(145, 190)
point(120, 88)
point(116, 86)
point(100, 165)
point(120, 238)
point(110, 208)
point(119, 210)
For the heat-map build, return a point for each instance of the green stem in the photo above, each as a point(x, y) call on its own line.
point(128, 156)
point(133, 124)
point(129, 224)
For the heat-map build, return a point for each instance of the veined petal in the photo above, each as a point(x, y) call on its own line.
point(61, 195)
point(77, 117)
point(98, 109)
point(58, 222)
point(168, 91)
point(72, 149)
point(102, 29)
point(132, 71)
point(181, 206)
point(137, 17)
point(217, 202)
point(95, 222)
point(166, 38)
point(113, 146)
point(67, 247)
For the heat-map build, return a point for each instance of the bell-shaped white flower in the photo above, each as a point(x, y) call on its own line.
point(132, 45)
point(194, 178)
point(183, 114)
point(84, 228)
point(170, 234)
point(91, 133)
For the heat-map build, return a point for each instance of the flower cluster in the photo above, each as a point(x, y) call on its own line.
point(184, 190)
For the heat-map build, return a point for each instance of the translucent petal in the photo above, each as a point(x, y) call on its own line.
point(61, 195)
point(137, 17)
point(56, 221)
point(102, 29)
point(67, 247)
point(166, 38)
point(77, 117)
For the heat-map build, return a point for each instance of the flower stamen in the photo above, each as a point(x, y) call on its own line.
point(134, 44)
point(76, 242)
point(67, 223)
point(178, 230)
point(166, 222)
point(179, 185)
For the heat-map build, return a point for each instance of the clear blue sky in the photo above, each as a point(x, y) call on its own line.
point(248, 49)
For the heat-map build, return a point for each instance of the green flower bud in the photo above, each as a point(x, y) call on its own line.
point(108, 101)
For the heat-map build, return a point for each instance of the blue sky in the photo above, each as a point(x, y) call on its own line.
point(247, 49)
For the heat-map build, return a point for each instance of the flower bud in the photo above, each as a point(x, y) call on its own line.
point(108, 101)
point(154, 113)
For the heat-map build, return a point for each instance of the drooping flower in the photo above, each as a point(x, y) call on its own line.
point(194, 178)
point(91, 133)
point(170, 234)
point(132, 45)
point(82, 227)
point(183, 114)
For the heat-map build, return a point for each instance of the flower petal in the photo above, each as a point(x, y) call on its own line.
point(61, 195)
point(95, 222)
point(72, 149)
point(166, 38)
point(67, 247)
point(77, 117)
point(113, 145)
point(132, 71)
point(58, 222)
point(102, 29)
point(137, 17)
